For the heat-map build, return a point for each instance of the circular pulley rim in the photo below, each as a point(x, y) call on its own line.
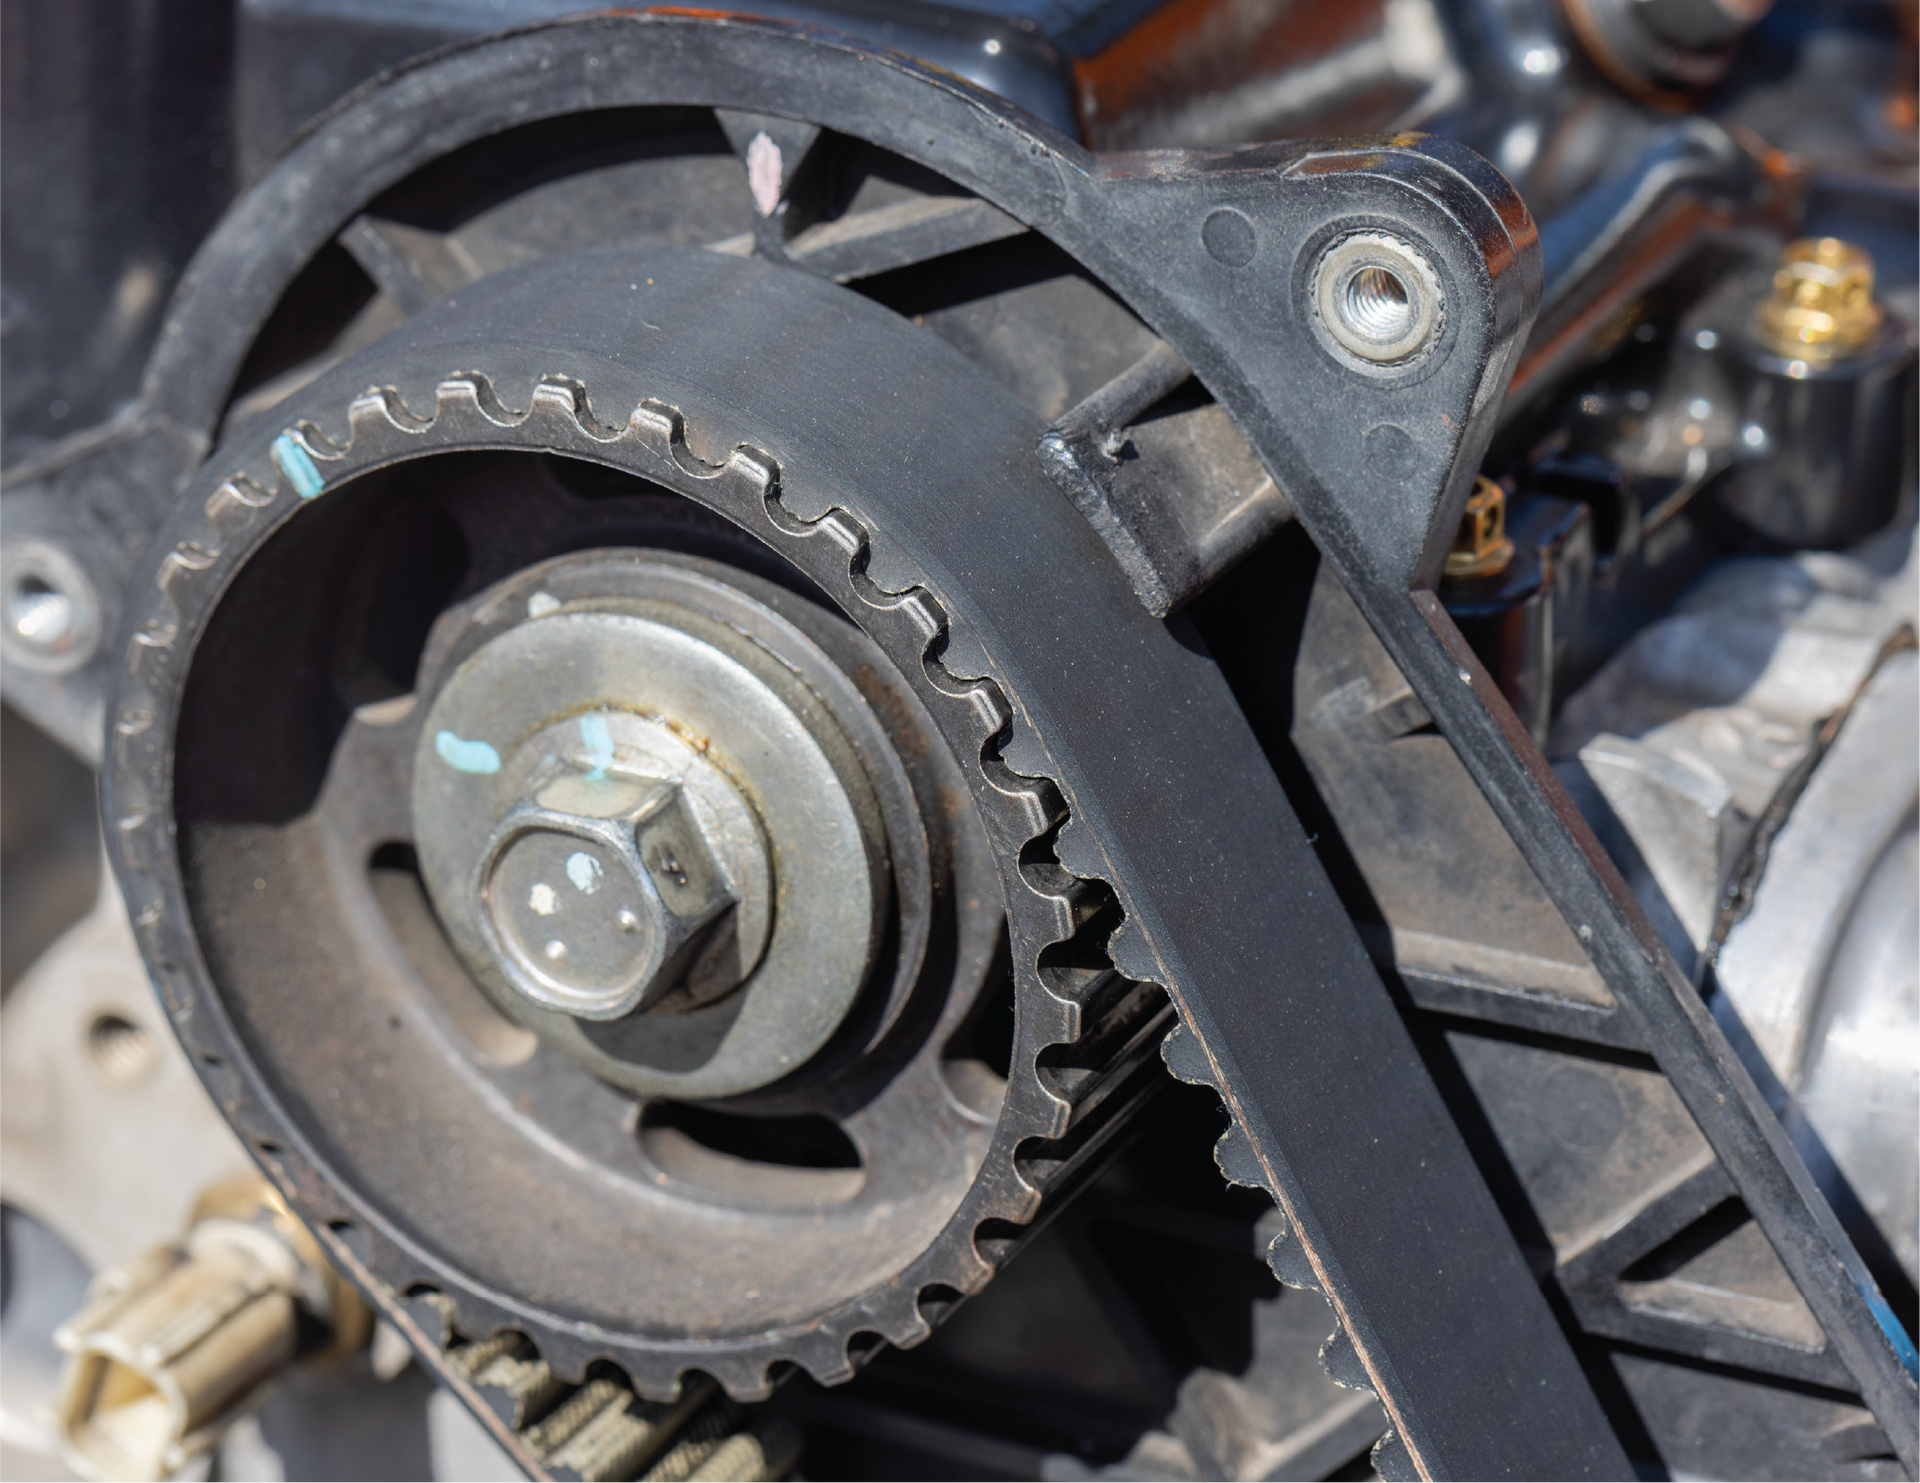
point(977, 715)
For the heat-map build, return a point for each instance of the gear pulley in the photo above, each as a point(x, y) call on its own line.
point(702, 962)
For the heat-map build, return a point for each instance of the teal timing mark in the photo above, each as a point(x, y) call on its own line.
point(297, 464)
point(466, 756)
point(599, 740)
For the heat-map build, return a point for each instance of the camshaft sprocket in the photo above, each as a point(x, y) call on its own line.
point(1085, 1034)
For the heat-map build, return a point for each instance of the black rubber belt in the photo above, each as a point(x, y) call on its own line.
point(1227, 902)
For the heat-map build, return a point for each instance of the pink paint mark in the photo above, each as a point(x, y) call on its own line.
point(763, 173)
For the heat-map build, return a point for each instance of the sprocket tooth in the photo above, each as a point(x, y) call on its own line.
point(1392, 1461)
point(573, 1356)
point(1234, 1156)
point(233, 507)
point(750, 472)
point(1037, 1102)
point(961, 1270)
point(657, 1377)
point(963, 656)
point(182, 562)
point(985, 701)
point(1027, 807)
point(824, 1356)
point(1070, 901)
point(1342, 1363)
point(896, 1316)
point(1022, 753)
point(742, 1375)
point(888, 570)
point(651, 428)
point(379, 413)
point(1051, 1018)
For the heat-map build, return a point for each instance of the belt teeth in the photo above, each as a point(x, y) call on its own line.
point(695, 1447)
point(1065, 923)
point(765, 1450)
point(1233, 1154)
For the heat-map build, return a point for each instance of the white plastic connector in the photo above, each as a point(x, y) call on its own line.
point(174, 1345)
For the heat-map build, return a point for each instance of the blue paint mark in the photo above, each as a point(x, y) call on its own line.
point(466, 756)
point(1890, 1326)
point(585, 872)
point(297, 464)
point(599, 740)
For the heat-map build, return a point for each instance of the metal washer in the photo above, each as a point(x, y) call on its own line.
point(821, 913)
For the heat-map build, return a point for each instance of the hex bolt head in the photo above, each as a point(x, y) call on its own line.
point(724, 809)
point(602, 892)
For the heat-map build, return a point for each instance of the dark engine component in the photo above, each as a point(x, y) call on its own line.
point(831, 783)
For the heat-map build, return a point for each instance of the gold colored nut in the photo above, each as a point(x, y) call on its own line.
point(1481, 548)
point(1822, 304)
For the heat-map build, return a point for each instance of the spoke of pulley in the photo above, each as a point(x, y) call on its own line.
point(365, 800)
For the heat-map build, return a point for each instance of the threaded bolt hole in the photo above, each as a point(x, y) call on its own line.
point(1377, 305)
point(122, 1051)
point(38, 612)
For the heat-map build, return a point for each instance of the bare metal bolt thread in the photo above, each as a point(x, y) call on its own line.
point(604, 1431)
point(702, 1438)
point(766, 1450)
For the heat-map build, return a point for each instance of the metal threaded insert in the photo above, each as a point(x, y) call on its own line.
point(1377, 305)
point(49, 617)
point(37, 613)
point(121, 1050)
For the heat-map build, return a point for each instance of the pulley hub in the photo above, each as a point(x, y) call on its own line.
point(611, 792)
point(605, 885)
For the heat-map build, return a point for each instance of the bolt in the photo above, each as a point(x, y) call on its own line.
point(1822, 305)
point(1481, 548)
point(604, 894)
point(1378, 300)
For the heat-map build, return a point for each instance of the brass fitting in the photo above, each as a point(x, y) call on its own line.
point(172, 1346)
point(1822, 305)
point(1481, 547)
